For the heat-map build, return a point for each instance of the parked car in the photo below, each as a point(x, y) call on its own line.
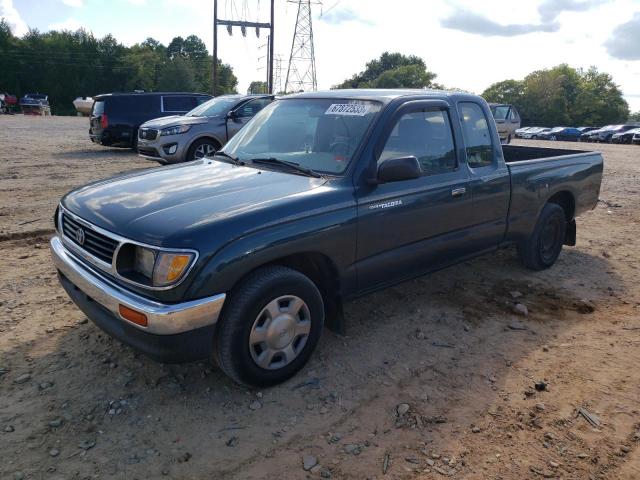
point(116, 117)
point(321, 197)
point(587, 129)
point(35, 104)
point(586, 136)
point(521, 131)
point(626, 136)
point(636, 139)
point(7, 102)
point(568, 134)
point(201, 131)
point(507, 120)
point(604, 134)
point(535, 132)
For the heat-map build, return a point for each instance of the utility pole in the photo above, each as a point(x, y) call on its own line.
point(301, 73)
point(243, 24)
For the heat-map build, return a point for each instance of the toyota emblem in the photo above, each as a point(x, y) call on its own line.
point(80, 236)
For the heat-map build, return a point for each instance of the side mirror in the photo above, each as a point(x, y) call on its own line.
point(398, 169)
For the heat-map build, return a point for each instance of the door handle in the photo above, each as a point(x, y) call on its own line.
point(458, 192)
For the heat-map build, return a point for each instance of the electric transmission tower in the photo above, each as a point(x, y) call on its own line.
point(301, 73)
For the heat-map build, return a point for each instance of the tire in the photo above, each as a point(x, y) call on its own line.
point(541, 250)
point(200, 147)
point(553, 137)
point(247, 333)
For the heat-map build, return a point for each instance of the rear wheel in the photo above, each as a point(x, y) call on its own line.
point(270, 325)
point(204, 147)
point(542, 248)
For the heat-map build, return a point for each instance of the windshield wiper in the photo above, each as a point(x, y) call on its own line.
point(292, 165)
point(230, 157)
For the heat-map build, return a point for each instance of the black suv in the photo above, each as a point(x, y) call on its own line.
point(115, 117)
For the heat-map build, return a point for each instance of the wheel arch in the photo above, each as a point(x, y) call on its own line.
point(202, 136)
point(566, 200)
point(323, 272)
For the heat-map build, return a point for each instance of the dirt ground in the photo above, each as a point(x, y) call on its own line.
point(436, 377)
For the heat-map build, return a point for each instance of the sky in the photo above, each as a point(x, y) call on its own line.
point(470, 44)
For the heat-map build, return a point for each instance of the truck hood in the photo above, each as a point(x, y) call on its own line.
point(173, 120)
point(168, 206)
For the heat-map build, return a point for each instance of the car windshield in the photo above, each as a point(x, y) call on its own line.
point(500, 112)
point(557, 129)
point(315, 133)
point(214, 107)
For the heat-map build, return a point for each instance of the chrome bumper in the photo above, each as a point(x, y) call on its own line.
point(163, 319)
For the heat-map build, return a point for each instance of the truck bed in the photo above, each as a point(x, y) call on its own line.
point(538, 174)
point(514, 153)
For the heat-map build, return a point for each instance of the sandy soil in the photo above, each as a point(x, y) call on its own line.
point(435, 378)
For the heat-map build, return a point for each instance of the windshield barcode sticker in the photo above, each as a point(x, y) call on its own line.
point(356, 109)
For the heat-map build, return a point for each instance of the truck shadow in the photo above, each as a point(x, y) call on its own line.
point(432, 342)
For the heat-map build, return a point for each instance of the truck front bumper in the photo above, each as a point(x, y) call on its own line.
point(174, 333)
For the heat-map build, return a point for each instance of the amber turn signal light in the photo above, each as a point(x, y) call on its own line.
point(133, 316)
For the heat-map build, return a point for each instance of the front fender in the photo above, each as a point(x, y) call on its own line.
point(332, 234)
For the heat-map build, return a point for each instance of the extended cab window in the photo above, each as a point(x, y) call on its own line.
point(425, 135)
point(477, 135)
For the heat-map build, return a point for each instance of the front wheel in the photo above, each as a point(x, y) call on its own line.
point(542, 248)
point(202, 148)
point(270, 325)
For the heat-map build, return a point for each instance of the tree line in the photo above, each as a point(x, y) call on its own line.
point(66, 65)
point(558, 96)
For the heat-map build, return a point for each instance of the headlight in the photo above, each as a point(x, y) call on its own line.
point(175, 130)
point(151, 267)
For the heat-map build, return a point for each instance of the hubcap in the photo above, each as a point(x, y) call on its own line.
point(280, 332)
point(204, 150)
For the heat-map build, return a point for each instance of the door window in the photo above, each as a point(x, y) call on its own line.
point(477, 135)
point(425, 135)
point(252, 107)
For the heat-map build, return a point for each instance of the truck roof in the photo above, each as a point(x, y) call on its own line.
point(384, 95)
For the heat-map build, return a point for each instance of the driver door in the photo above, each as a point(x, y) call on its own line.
point(408, 227)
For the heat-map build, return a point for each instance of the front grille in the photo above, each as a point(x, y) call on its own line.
point(97, 244)
point(149, 152)
point(147, 133)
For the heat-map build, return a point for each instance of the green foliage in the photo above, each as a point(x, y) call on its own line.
point(392, 70)
point(66, 65)
point(563, 96)
point(634, 117)
point(257, 87)
point(176, 76)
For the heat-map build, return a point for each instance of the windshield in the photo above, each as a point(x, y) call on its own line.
point(500, 112)
point(214, 107)
point(316, 133)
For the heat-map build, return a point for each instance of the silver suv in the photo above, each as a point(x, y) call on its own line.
point(200, 132)
point(507, 120)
